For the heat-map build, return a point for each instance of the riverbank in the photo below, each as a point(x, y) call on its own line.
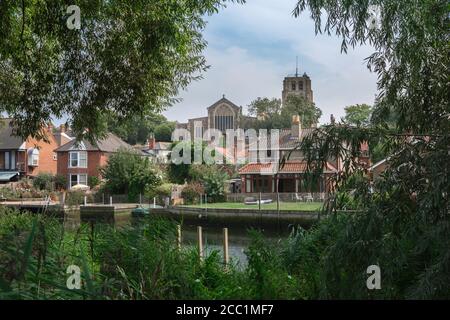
point(283, 206)
point(243, 217)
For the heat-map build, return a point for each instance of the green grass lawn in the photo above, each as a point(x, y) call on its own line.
point(300, 206)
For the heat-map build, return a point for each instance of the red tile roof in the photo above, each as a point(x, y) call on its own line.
point(271, 168)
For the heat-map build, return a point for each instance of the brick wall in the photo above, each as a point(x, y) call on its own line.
point(46, 162)
point(96, 160)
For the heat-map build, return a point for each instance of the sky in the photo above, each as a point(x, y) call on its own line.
point(252, 47)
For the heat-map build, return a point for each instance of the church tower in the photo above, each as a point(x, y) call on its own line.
point(297, 85)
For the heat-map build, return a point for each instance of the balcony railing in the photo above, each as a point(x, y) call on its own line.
point(20, 166)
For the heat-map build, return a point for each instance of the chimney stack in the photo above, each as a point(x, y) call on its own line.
point(296, 130)
point(332, 119)
point(62, 128)
point(151, 142)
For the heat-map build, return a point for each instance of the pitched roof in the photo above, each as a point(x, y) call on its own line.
point(7, 139)
point(110, 143)
point(272, 168)
point(163, 145)
point(286, 140)
point(223, 100)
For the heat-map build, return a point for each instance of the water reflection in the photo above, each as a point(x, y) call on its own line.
point(238, 239)
point(238, 233)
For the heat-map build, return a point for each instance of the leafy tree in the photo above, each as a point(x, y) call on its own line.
point(358, 114)
point(297, 105)
point(93, 181)
point(136, 129)
point(130, 173)
point(129, 57)
point(273, 115)
point(163, 132)
point(182, 172)
point(403, 224)
point(264, 107)
point(214, 185)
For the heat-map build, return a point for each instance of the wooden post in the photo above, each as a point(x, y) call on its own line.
point(278, 203)
point(154, 202)
point(103, 198)
point(226, 256)
point(259, 201)
point(85, 200)
point(110, 201)
point(179, 237)
point(140, 198)
point(200, 242)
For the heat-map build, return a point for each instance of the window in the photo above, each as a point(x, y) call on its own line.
point(293, 86)
point(248, 182)
point(33, 157)
point(198, 134)
point(78, 159)
point(78, 179)
point(55, 157)
point(300, 85)
point(13, 160)
point(7, 160)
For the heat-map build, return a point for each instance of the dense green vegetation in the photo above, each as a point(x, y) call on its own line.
point(271, 114)
point(142, 261)
point(358, 114)
point(403, 221)
point(130, 173)
point(139, 128)
point(128, 58)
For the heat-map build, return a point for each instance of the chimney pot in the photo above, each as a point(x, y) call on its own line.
point(151, 142)
point(296, 129)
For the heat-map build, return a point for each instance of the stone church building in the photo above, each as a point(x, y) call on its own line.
point(224, 114)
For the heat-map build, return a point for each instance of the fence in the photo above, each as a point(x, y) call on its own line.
point(79, 198)
point(284, 197)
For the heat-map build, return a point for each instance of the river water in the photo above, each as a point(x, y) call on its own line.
point(238, 234)
point(238, 238)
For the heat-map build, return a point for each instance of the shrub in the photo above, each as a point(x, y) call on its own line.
point(191, 193)
point(60, 182)
point(43, 181)
point(93, 181)
point(130, 173)
point(214, 184)
point(160, 192)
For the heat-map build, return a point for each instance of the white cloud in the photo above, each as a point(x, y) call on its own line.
point(253, 46)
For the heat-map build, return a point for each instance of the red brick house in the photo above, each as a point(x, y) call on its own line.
point(25, 157)
point(79, 160)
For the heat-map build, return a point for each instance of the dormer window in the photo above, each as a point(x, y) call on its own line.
point(33, 157)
